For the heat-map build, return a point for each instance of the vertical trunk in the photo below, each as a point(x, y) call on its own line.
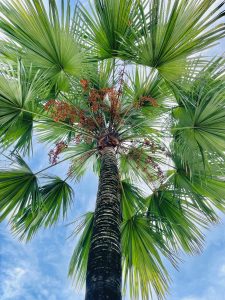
point(104, 263)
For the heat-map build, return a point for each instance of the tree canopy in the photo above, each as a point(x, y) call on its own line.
point(129, 73)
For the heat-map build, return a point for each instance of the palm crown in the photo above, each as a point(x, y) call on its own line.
point(121, 76)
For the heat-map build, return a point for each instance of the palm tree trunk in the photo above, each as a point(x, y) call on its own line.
point(104, 263)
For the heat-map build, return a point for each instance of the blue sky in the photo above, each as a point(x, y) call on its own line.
point(38, 270)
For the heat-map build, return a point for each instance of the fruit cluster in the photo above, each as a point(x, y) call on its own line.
point(61, 111)
point(152, 101)
point(54, 153)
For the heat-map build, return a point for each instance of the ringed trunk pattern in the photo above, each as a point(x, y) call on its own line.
point(104, 263)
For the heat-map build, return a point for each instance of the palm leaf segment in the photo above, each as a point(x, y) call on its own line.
point(18, 88)
point(200, 116)
point(29, 204)
point(108, 24)
point(46, 39)
point(56, 197)
point(153, 33)
point(18, 188)
point(198, 133)
point(131, 112)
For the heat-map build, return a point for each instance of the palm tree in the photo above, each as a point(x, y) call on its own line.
point(118, 87)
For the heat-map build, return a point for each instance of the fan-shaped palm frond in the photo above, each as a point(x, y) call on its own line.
point(108, 24)
point(19, 134)
point(146, 82)
point(199, 121)
point(168, 33)
point(18, 91)
point(56, 198)
point(83, 158)
point(204, 190)
point(51, 132)
point(142, 263)
point(132, 200)
point(45, 37)
point(18, 189)
point(103, 74)
point(177, 220)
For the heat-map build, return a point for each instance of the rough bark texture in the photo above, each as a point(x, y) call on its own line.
point(104, 264)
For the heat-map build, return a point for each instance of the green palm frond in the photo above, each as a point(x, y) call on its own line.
point(44, 36)
point(53, 132)
point(177, 220)
point(203, 190)
point(9, 51)
point(201, 128)
point(108, 24)
point(168, 33)
point(83, 159)
point(142, 165)
point(144, 101)
point(18, 189)
point(56, 199)
point(132, 200)
point(199, 121)
point(20, 134)
point(143, 267)
point(173, 222)
point(146, 82)
point(103, 74)
point(172, 216)
point(79, 259)
point(18, 91)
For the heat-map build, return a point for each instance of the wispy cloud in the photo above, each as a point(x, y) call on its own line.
point(13, 283)
point(37, 271)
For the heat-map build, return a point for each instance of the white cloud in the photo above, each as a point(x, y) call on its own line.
point(13, 283)
point(38, 270)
